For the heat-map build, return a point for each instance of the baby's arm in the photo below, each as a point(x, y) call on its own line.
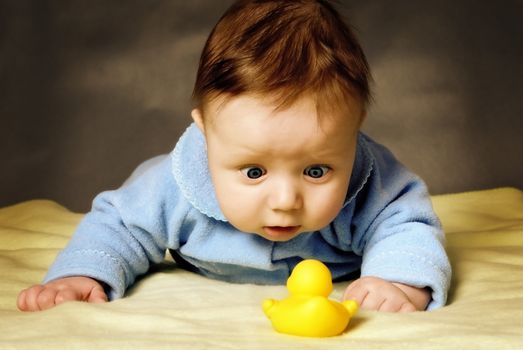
point(126, 231)
point(42, 297)
point(373, 293)
point(398, 235)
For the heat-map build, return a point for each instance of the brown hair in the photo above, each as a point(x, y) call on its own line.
point(284, 49)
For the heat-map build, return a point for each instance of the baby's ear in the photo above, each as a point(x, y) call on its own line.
point(363, 116)
point(197, 116)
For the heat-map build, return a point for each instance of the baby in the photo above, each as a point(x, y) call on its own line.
point(273, 170)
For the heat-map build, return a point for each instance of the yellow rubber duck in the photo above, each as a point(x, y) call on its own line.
point(307, 311)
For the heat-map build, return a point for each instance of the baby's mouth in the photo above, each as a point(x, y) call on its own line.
point(280, 232)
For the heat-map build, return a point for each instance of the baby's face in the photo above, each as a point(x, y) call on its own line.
point(278, 173)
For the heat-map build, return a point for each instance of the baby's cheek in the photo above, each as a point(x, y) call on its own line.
point(323, 210)
point(238, 208)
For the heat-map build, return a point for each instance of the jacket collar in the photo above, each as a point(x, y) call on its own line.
point(361, 170)
point(191, 172)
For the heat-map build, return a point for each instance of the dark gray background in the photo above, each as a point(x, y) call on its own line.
point(89, 89)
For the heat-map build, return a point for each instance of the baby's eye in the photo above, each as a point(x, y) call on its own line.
point(253, 172)
point(316, 171)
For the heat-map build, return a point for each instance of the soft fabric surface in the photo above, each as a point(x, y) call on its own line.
point(172, 308)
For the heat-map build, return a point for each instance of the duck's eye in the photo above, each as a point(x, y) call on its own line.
point(316, 171)
point(253, 172)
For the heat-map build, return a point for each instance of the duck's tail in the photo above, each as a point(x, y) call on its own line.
point(267, 306)
point(351, 306)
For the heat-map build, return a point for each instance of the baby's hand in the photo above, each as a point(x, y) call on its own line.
point(373, 293)
point(41, 297)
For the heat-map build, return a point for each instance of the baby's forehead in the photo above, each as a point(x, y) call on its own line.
point(316, 106)
point(257, 124)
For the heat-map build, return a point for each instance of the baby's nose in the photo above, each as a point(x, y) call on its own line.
point(286, 196)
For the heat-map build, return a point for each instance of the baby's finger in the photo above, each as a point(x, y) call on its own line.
point(390, 305)
point(20, 301)
point(31, 296)
point(46, 298)
point(354, 293)
point(372, 301)
point(66, 295)
point(97, 295)
point(407, 307)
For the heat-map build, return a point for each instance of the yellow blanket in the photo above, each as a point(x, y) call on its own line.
point(175, 309)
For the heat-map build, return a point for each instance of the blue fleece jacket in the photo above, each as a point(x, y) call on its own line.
point(387, 228)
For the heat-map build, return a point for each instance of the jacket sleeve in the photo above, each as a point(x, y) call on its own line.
point(125, 231)
point(397, 231)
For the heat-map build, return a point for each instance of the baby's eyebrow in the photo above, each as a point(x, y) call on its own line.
point(325, 153)
point(247, 151)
